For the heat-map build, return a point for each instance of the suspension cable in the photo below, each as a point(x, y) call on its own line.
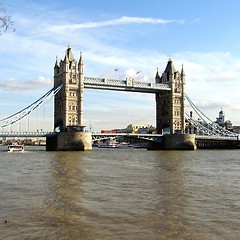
point(27, 110)
point(215, 128)
point(197, 109)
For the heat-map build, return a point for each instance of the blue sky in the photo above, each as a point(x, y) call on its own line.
point(132, 36)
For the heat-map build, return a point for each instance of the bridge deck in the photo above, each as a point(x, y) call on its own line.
point(95, 136)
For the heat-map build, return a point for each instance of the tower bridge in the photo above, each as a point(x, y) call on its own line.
point(169, 90)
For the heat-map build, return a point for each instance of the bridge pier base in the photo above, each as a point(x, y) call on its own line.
point(175, 142)
point(69, 141)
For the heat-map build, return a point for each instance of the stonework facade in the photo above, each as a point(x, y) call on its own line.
point(170, 105)
point(69, 134)
point(68, 103)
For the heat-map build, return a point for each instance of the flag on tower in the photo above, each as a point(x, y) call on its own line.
point(138, 72)
point(115, 69)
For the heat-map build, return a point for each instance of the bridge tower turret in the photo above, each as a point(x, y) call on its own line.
point(68, 102)
point(68, 106)
point(170, 104)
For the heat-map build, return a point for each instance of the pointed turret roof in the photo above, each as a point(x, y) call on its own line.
point(80, 59)
point(69, 56)
point(157, 77)
point(56, 63)
point(66, 59)
point(170, 68)
point(182, 71)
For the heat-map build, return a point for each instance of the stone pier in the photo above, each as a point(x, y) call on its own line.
point(174, 142)
point(69, 141)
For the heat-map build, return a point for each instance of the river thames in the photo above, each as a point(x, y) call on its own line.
point(120, 194)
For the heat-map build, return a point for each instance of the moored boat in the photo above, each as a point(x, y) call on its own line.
point(109, 144)
point(125, 145)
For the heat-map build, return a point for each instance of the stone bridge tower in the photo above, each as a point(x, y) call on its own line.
point(68, 103)
point(170, 105)
point(68, 106)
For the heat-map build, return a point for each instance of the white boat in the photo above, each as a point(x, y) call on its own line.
point(15, 147)
point(107, 145)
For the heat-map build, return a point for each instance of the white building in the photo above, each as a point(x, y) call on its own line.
point(221, 119)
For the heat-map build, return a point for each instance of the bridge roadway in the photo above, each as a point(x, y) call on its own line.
point(213, 142)
point(202, 142)
point(129, 85)
point(97, 136)
point(23, 134)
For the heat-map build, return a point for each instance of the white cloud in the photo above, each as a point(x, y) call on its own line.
point(197, 20)
point(114, 22)
point(32, 85)
point(211, 77)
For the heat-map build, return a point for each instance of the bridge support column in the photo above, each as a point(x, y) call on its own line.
point(175, 142)
point(69, 141)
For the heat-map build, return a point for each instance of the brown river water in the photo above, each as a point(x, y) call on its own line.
point(120, 194)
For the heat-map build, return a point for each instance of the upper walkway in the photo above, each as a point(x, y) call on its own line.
point(129, 85)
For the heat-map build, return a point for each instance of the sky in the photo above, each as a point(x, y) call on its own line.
point(203, 36)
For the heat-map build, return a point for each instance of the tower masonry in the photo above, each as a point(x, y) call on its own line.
point(170, 109)
point(170, 105)
point(68, 103)
point(68, 106)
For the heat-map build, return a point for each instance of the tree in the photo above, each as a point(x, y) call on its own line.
point(5, 21)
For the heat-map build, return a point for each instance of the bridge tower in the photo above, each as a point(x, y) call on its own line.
point(170, 110)
point(68, 103)
point(170, 105)
point(68, 106)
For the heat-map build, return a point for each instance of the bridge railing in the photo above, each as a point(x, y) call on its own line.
point(24, 134)
point(101, 136)
point(95, 136)
point(126, 134)
point(214, 137)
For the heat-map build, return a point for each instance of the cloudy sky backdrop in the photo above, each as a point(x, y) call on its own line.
point(132, 36)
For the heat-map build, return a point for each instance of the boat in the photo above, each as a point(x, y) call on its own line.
point(109, 144)
point(15, 147)
point(125, 145)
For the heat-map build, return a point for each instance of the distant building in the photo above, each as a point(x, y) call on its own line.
point(228, 125)
point(139, 128)
point(133, 128)
point(221, 119)
point(236, 129)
